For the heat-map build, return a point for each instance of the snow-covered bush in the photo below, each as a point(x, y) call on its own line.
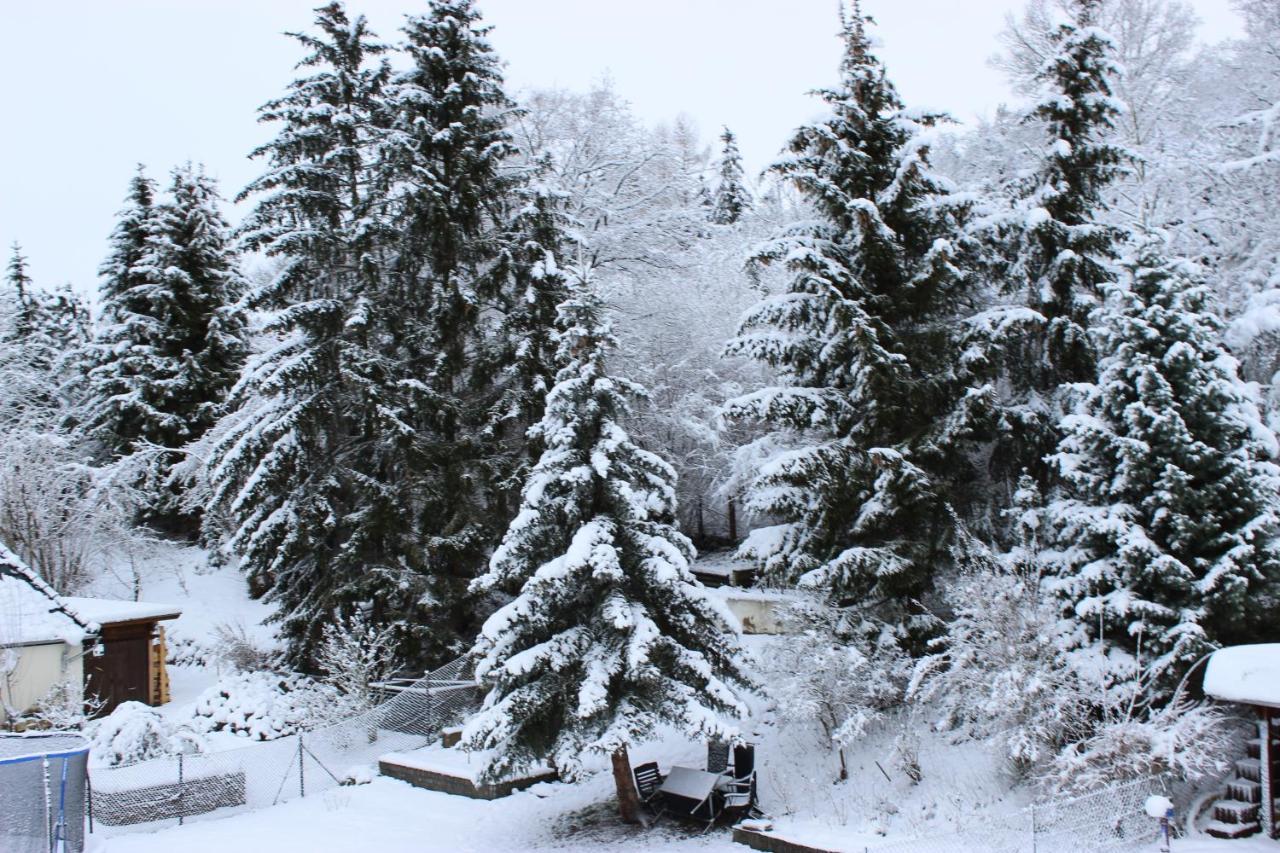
point(265, 705)
point(234, 647)
point(136, 732)
point(65, 707)
point(841, 677)
point(1001, 670)
point(1189, 741)
point(354, 653)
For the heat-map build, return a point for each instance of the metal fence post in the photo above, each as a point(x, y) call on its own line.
point(182, 791)
point(302, 781)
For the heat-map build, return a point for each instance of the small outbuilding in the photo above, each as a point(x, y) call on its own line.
point(115, 649)
point(1249, 675)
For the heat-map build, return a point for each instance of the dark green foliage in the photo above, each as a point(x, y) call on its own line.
point(732, 198)
point(1165, 529)
point(873, 407)
point(171, 341)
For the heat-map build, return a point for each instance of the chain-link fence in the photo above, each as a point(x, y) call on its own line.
point(176, 788)
point(1112, 819)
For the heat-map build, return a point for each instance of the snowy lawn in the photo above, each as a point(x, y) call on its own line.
point(394, 817)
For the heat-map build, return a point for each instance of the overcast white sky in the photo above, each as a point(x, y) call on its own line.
point(88, 88)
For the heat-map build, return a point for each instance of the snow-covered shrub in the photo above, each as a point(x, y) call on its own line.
point(265, 705)
point(1189, 741)
point(238, 650)
point(65, 707)
point(1001, 670)
point(842, 677)
point(136, 732)
point(354, 653)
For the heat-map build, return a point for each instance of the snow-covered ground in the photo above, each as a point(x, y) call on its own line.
point(393, 817)
point(962, 784)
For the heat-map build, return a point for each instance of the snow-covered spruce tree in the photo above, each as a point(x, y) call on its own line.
point(445, 196)
point(1061, 246)
point(19, 281)
point(871, 396)
point(732, 199)
point(520, 357)
point(609, 634)
point(171, 342)
point(1165, 532)
point(311, 472)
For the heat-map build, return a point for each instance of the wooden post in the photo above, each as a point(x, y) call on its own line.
point(628, 796)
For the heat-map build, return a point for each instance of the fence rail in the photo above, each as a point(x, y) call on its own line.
point(172, 789)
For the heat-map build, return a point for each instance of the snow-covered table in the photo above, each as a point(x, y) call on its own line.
point(692, 791)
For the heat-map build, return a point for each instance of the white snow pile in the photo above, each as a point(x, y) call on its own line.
point(1245, 674)
point(136, 732)
point(264, 705)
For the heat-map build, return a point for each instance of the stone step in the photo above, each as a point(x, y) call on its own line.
point(1249, 768)
point(1231, 830)
point(1253, 746)
point(1244, 790)
point(1235, 811)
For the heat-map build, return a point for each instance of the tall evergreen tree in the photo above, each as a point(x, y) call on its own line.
point(872, 401)
point(42, 335)
point(19, 280)
point(609, 634)
point(732, 199)
point(446, 199)
point(171, 343)
point(1061, 245)
point(1165, 532)
point(311, 470)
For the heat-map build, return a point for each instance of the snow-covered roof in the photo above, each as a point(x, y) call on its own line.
point(106, 611)
point(31, 612)
point(1248, 674)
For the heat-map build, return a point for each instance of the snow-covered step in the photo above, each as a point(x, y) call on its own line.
point(1249, 768)
point(1231, 830)
point(1235, 812)
point(1254, 744)
point(1244, 790)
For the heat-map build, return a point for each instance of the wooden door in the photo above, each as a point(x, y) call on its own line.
point(121, 672)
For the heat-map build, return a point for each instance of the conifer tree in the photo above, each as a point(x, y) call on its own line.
point(872, 399)
point(732, 199)
point(1165, 531)
point(609, 634)
point(1062, 247)
point(20, 281)
point(171, 343)
point(311, 469)
point(446, 199)
point(42, 335)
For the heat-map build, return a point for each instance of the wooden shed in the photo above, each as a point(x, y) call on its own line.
point(1249, 675)
point(127, 664)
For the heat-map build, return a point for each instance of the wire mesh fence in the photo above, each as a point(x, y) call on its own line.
point(172, 789)
point(1111, 819)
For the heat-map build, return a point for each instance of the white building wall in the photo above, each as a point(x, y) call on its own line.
point(39, 669)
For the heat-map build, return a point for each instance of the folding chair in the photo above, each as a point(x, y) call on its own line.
point(648, 780)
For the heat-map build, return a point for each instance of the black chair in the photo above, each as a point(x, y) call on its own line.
point(740, 797)
point(717, 756)
point(648, 780)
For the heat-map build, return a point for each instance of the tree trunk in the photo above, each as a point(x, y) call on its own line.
point(733, 521)
point(628, 797)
